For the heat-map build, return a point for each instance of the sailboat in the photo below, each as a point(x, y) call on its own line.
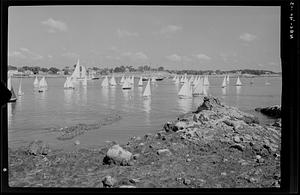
point(122, 80)
point(206, 82)
point(177, 81)
point(227, 79)
point(140, 82)
point(13, 97)
point(69, 83)
point(198, 88)
point(79, 72)
point(147, 91)
point(224, 82)
point(113, 81)
point(20, 88)
point(43, 85)
point(238, 82)
point(105, 82)
point(185, 91)
point(36, 82)
point(132, 81)
point(126, 84)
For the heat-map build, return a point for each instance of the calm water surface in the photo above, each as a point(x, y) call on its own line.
point(35, 115)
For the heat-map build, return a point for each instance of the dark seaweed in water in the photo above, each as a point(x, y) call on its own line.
point(73, 131)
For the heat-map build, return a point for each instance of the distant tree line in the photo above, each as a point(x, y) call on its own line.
point(143, 68)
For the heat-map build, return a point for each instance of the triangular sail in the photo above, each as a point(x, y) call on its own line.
point(206, 82)
point(224, 82)
point(198, 88)
point(185, 91)
point(76, 73)
point(147, 91)
point(122, 79)
point(20, 88)
point(36, 82)
point(227, 79)
point(105, 82)
point(113, 81)
point(238, 81)
point(126, 84)
point(140, 81)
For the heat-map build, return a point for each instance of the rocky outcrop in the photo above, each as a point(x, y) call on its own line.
point(215, 147)
point(38, 147)
point(117, 155)
point(271, 111)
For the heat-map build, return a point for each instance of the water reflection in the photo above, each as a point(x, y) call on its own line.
point(205, 90)
point(238, 90)
point(147, 109)
point(11, 111)
point(224, 91)
point(68, 96)
point(185, 104)
point(104, 93)
point(112, 97)
point(84, 95)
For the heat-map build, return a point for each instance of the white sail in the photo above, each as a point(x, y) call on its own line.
point(66, 84)
point(36, 82)
point(195, 81)
point(227, 79)
point(224, 82)
point(182, 79)
point(113, 81)
point(198, 88)
point(191, 79)
point(105, 82)
point(126, 84)
point(238, 81)
point(76, 73)
point(153, 80)
point(122, 79)
point(132, 80)
point(206, 82)
point(177, 81)
point(20, 88)
point(140, 81)
point(185, 91)
point(147, 91)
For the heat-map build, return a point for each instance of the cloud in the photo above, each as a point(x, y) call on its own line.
point(202, 56)
point(112, 57)
point(247, 37)
point(16, 54)
point(125, 33)
point(135, 56)
point(55, 25)
point(25, 53)
point(169, 29)
point(70, 55)
point(174, 57)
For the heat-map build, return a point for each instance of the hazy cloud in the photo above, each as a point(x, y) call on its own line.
point(70, 55)
point(247, 37)
point(26, 53)
point(16, 54)
point(135, 56)
point(169, 29)
point(55, 25)
point(125, 33)
point(174, 57)
point(202, 56)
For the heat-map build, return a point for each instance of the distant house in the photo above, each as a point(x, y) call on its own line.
point(42, 73)
point(29, 72)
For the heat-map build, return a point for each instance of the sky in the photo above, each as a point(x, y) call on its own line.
point(175, 37)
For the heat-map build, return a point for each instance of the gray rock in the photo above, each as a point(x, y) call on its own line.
point(180, 125)
point(109, 181)
point(135, 156)
point(37, 147)
point(272, 111)
point(236, 139)
point(117, 155)
point(164, 152)
point(238, 147)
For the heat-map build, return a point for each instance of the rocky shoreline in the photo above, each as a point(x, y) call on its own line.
point(216, 146)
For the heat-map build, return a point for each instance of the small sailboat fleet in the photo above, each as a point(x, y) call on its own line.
point(20, 88)
point(36, 82)
point(140, 84)
point(224, 83)
point(13, 97)
point(112, 81)
point(43, 86)
point(185, 91)
point(147, 91)
point(69, 83)
point(105, 82)
point(238, 81)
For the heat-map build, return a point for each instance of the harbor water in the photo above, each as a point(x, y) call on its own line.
point(40, 115)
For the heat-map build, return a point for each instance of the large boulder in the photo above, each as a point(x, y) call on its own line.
point(208, 103)
point(38, 147)
point(271, 111)
point(117, 155)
